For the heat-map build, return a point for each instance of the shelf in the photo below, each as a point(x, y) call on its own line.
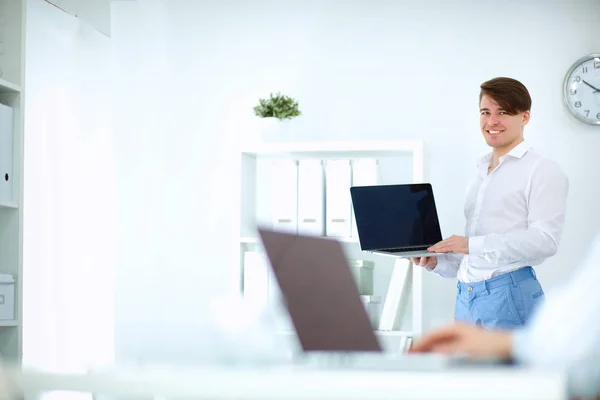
point(334, 149)
point(6, 86)
point(12, 90)
point(254, 240)
point(398, 161)
point(9, 204)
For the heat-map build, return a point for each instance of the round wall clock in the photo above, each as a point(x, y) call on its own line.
point(581, 89)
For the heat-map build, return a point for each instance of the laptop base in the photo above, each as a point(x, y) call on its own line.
point(407, 254)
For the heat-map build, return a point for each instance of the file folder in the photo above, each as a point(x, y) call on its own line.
point(311, 197)
point(6, 153)
point(338, 205)
point(364, 173)
point(285, 195)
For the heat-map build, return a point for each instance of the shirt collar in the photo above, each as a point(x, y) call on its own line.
point(517, 152)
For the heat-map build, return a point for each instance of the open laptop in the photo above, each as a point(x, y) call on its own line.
point(398, 220)
point(324, 304)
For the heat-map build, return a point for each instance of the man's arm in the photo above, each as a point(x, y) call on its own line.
point(447, 265)
point(547, 197)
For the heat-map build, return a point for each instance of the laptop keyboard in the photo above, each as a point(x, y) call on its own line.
point(409, 248)
point(378, 361)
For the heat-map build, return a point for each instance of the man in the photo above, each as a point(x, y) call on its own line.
point(515, 210)
point(563, 335)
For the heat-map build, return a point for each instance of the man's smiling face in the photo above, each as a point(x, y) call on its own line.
point(500, 130)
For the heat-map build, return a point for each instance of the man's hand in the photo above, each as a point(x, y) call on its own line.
point(428, 262)
point(454, 244)
point(469, 340)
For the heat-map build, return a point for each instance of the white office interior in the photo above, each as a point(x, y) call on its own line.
point(138, 161)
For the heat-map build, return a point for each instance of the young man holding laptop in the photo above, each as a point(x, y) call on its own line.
point(515, 210)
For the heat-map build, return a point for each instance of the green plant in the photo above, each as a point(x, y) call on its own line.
point(278, 106)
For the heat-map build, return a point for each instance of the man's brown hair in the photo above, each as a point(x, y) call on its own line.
point(510, 94)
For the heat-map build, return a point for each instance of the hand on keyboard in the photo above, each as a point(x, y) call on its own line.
point(464, 339)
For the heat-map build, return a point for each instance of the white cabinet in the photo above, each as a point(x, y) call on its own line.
point(12, 56)
point(398, 162)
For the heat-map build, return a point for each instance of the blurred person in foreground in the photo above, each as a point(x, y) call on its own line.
point(563, 335)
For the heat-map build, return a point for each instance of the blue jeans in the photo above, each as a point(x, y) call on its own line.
point(506, 301)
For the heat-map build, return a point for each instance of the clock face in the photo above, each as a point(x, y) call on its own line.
point(582, 89)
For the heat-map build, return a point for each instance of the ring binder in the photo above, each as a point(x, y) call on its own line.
point(6, 153)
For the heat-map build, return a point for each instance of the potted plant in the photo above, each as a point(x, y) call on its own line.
point(274, 111)
point(277, 106)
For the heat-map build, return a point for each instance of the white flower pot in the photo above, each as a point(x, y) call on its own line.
point(273, 129)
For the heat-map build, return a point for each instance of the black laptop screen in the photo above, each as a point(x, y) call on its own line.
point(392, 216)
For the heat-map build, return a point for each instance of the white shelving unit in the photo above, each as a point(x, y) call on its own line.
point(399, 162)
point(12, 72)
point(9, 86)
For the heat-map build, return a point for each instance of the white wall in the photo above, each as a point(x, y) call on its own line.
point(69, 194)
point(190, 73)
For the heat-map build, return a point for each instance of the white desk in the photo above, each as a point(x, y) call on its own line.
point(300, 383)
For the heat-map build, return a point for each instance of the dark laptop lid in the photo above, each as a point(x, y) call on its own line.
point(395, 216)
point(320, 293)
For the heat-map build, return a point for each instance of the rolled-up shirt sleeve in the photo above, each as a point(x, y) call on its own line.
point(547, 197)
point(564, 333)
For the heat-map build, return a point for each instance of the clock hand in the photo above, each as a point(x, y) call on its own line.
point(595, 89)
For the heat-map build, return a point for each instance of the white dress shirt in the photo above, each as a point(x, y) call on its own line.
point(514, 216)
point(564, 333)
